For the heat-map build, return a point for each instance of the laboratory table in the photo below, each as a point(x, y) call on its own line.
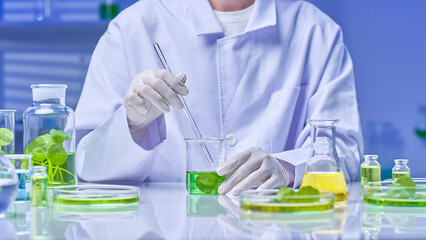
point(166, 211)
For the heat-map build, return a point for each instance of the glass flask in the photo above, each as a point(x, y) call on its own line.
point(22, 164)
point(201, 176)
point(49, 133)
point(370, 169)
point(7, 131)
point(322, 169)
point(8, 184)
point(400, 169)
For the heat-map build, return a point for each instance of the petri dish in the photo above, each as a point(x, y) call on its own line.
point(265, 201)
point(102, 195)
point(387, 194)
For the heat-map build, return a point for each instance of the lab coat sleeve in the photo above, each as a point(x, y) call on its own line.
point(107, 151)
point(333, 96)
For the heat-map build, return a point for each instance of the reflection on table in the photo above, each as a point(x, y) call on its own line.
point(166, 211)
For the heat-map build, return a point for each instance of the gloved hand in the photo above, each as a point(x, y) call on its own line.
point(252, 167)
point(150, 94)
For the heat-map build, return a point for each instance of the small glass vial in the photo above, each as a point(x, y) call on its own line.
point(370, 169)
point(400, 169)
point(38, 196)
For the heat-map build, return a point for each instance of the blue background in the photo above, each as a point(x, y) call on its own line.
point(386, 39)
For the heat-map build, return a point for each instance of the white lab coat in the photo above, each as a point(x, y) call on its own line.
point(289, 65)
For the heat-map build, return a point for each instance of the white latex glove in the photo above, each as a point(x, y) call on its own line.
point(150, 94)
point(249, 168)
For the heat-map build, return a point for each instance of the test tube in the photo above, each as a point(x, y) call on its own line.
point(38, 186)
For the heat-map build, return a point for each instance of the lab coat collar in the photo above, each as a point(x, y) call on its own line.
point(205, 22)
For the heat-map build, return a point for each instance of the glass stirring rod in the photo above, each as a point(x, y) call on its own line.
point(185, 107)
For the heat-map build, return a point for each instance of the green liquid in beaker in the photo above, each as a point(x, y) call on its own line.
point(108, 11)
point(203, 182)
point(370, 174)
point(396, 175)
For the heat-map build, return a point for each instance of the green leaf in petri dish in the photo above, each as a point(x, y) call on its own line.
point(57, 154)
point(206, 182)
point(3, 152)
point(313, 194)
point(284, 193)
point(398, 194)
point(59, 136)
point(408, 183)
point(6, 136)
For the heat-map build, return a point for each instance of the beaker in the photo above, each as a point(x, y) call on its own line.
point(49, 133)
point(7, 131)
point(400, 169)
point(322, 170)
point(22, 164)
point(201, 176)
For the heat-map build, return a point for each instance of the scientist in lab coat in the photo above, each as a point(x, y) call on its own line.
point(254, 69)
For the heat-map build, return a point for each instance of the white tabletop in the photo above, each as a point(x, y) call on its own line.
point(166, 211)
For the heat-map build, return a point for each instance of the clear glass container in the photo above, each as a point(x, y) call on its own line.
point(22, 164)
point(96, 195)
point(8, 184)
point(265, 201)
point(201, 176)
point(7, 131)
point(49, 133)
point(370, 169)
point(322, 170)
point(38, 186)
point(387, 193)
point(400, 169)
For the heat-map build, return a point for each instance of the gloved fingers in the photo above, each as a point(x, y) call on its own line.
point(181, 77)
point(136, 103)
point(164, 90)
point(240, 174)
point(175, 83)
point(252, 179)
point(234, 162)
point(272, 183)
point(146, 92)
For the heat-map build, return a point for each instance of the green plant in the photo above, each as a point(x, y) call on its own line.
point(285, 195)
point(47, 150)
point(6, 137)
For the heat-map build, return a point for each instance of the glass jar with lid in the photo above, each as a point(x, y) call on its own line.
point(400, 169)
point(49, 133)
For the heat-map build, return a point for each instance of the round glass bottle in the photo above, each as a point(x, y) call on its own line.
point(370, 169)
point(49, 133)
point(400, 169)
point(322, 170)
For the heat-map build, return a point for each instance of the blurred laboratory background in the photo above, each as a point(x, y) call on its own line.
point(51, 41)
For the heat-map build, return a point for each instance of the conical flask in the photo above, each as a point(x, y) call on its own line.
point(322, 170)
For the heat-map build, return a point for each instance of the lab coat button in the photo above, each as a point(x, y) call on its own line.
point(231, 139)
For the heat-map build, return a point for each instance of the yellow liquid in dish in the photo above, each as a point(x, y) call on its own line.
point(328, 181)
